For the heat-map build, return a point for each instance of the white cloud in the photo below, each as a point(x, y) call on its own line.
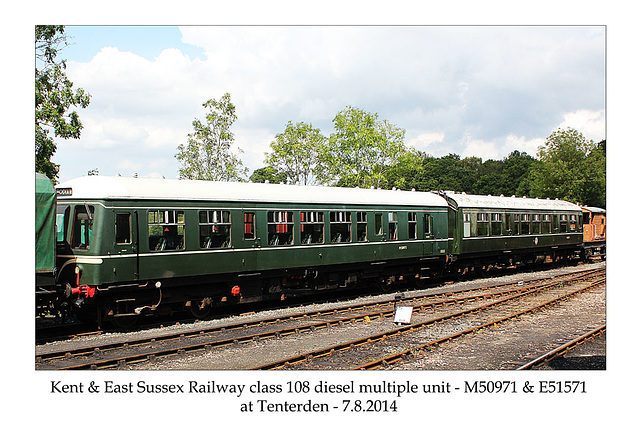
point(423, 141)
point(483, 149)
point(465, 90)
point(590, 123)
point(522, 144)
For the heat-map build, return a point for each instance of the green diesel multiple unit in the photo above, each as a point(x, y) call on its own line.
point(127, 246)
point(490, 231)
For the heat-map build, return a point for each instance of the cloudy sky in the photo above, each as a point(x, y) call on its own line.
point(475, 91)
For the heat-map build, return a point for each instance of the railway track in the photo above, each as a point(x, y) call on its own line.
point(125, 352)
point(346, 354)
point(564, 348)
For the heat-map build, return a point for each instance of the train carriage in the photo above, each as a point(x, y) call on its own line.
point(130, 245)
point(487, 231)
point(595, 232)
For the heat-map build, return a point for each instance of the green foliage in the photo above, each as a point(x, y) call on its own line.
point(421, 172)
point(571, 168)
point(270, 174)
point(367, 152)
point(360, 151)
point(54, 96)
point(295, 153)
point(207, 154)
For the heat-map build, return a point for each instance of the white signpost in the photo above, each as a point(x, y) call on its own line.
point(403, 315)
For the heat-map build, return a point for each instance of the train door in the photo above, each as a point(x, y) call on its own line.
point(426, 232)
point(251, 241)
point(126, 245)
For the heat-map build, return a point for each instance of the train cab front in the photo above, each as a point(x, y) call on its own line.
point(76, 255)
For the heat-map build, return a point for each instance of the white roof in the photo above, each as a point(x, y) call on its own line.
point(518, 203)
point(108, 187)
point(594, 209)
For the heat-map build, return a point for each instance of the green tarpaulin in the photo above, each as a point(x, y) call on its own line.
point(45, 224)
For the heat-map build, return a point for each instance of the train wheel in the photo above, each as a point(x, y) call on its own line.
point(125, 322)
point(385, 285)
point(199, 310)
point(486, 270)
point(462, 273)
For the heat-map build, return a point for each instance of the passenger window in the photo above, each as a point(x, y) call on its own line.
point(427, 226)
point(123, 228)
point(166, 230)
point(280, 228)
point(563, 224)
point(412, 221)
point(378, 224)
point(573, 223)
point(524, 223)
point(483, 224)
point(340, 227)
point(546, 224)
point(311, 227)
point(249, 225)
point(496, 224)
point(393, 225)
point(536, 224)
point(466, 225)
point(82, 227)
point(362, 226)
point(215, 229)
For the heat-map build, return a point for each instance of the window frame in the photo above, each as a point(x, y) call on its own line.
point(313, 219)
point(118, 230)
point(278, 220)
point(340, 221)
point(214, 218)
point(165, 218)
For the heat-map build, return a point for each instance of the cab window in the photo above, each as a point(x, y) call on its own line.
point(82, 227)
point(62, 217)
point(123, 228)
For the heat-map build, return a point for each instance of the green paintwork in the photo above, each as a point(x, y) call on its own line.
point(106, 262)
point(45, 214)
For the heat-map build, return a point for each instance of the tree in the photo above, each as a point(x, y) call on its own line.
point(361, 150)
point(268, 173)
point(207, 154)
point(570, 168)
point(516, 177)
point(55, 95)
point(295, 153)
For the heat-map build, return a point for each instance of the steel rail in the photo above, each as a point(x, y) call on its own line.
point(397, 331)
point(94, 349)
point(143, 356)
point(563, 349)
point(386, 361)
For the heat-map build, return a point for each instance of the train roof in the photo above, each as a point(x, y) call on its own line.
point(517, 203)
point(593, 209)
point(125, 188)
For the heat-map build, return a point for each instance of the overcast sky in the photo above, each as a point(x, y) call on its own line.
point(475, 91)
